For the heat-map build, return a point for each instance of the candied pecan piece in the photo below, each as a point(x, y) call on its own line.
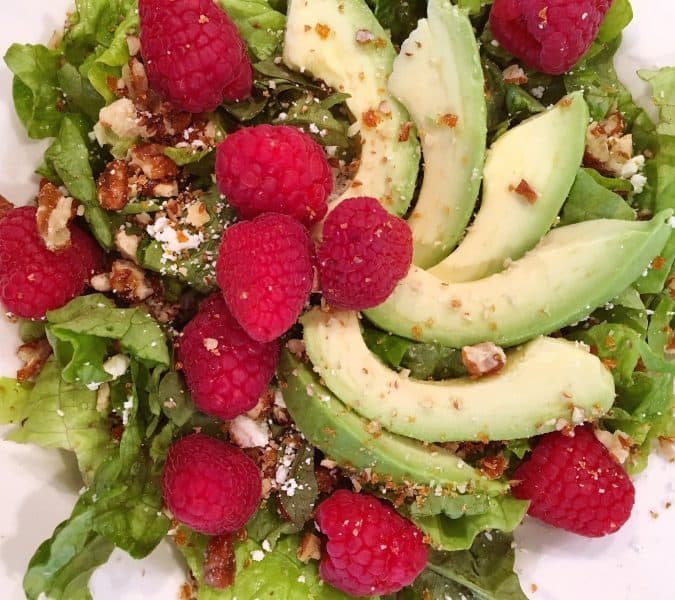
point(483, 359)
point(113, 186)
point(154, 163)
point(54, 213)
point(129, 282)
point(220, 562)
point(34, 356)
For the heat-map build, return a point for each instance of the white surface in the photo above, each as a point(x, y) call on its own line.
point(39, 487)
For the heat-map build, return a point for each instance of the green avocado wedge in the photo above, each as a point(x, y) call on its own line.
point(343, 436)
point(543, 382)
point(545, 152)
point(570, 273)
point(438, 78)
point(343, 44)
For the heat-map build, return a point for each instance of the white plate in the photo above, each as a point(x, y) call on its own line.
point(40, 487)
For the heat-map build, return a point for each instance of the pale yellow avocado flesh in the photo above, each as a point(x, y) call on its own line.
point(545, 152)
point(545, 383)
point(571, 272)
point(438, 78)
point(343, 44)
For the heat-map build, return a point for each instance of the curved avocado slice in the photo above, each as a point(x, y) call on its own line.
point(343, 436)
point(438, 78)
point(544, 151)
point(343, 44)
point(542, 382)
point(571, 272)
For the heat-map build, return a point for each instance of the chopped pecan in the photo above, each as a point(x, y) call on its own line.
point(34, 355)
point(54, 212)
point(113, 186)
point(493, 467)
point(326, 479)
point(449, 120)
point(618, 443)
point(128, 281)
point(666, 448)
point(263, 409)
point(127, 243)
point(515, 75)
point(161, 310)
point(220, 562)
point(483, 359)
point(525, 190)
point(309, 548)
point(153, 162)
point(197, 215)
point(134, 77)
point(607, 148)
point(101, 282)
point(5, 206)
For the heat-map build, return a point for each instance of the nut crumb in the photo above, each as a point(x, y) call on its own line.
point(525, 190)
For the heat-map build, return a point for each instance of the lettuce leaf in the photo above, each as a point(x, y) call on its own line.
point(459, 530)
point(69, 158)
point(63, 415)
point(35, 89)
point(618, 17)
point(261, 27)
point(278, 575)
point(485, 569)
point(95, 316)
point(123, 508)
point(108, 63)
point(14, 398)
point(590, 200)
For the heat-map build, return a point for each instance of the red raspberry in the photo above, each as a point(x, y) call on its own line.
point(209, 485)
point(365, 253)
point(193, 54)
point(33, 279)
point(547, 35)
point(265, 272)
point(371, 549)
point(574, 483)
point(225, 370)
point(274, 169)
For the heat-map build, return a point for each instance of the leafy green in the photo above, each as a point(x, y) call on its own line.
point(92, 26)
point(194, 267)
point(266, 524)
point(502, 513)
point(14, 397)
point(299, 504)
point(63, 415)
point(36, 88)
point(663, 89)
point(79, 92)
point(400, 17)
point(30, 331)
point(87, 322)
point(108, 63)
point(486, 569)
point(590, 200)
point(424, 361)
point(123, 507)
point(619, 15)
point(259, 24)
point(175, 399)
point(186, 156)
point(278, 575)
point(520, 104)
point(69, 158)
point(61, 566)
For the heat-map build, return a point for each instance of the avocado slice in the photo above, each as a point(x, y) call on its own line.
point(570, 273)
point(343, 436)
point(438, 78)
point(343, 44)
point(543, 381)
point(544, 151)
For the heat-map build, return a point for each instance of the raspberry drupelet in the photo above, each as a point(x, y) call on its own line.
point(193, 54)
point(33, 279)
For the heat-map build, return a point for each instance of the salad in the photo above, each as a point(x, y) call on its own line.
point(333, 293)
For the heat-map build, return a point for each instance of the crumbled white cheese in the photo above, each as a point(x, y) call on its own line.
point(632, 166)
point(126, 408)
point(117, 365)
point(247, 433)
point(639, 181)
point(164, 231)
point(538, 92)
point(257, 555)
